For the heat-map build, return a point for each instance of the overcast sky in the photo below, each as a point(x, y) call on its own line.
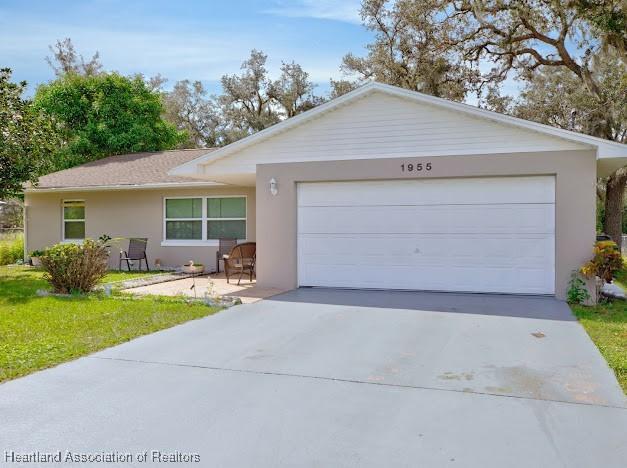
point(193, 39)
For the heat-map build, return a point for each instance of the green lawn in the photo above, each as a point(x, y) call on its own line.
point(39, 332)
point(607, 326)
point(115, 276)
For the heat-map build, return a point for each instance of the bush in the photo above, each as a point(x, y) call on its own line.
point(11, 250)
point(75, 268)
point(577, 291)
point(606, 261)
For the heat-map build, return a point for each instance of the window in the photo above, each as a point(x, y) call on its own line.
point(226, 218)
point(204, 220)
point(73, 220)
point(183, 219)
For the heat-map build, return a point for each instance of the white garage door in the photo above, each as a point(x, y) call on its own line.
point(475, 234)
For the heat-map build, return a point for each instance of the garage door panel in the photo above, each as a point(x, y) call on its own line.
point(539, 189)
point(427, 250)
point(499, 246)
point(531, 281)
point(507, 218)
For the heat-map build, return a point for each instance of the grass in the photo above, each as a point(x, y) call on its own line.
point(115, 276)
point(606, 325)
point(11, 248)
point(40, 332)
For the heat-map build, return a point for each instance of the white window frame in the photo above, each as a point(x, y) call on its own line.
point(204, 242)
point(63, 221)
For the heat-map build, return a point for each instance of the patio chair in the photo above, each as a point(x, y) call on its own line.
point(241, 259)
point(136, 251)
point(224, 247)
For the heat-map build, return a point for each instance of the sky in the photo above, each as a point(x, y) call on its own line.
point(184, 39)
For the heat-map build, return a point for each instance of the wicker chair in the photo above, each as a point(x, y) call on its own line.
point(241, 259)
point(136, 251)
point(224, 247)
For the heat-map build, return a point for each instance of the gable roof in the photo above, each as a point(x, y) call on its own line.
point(124, 171)
point(606, 148)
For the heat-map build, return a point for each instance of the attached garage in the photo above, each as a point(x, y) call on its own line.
point(493, 234)
point(386, 188)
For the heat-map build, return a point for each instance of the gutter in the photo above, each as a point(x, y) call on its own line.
point(99, 188)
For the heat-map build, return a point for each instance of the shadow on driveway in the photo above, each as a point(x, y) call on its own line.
point(504, 305)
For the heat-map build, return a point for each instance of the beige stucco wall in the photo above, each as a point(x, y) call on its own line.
point(575, 173)
point(126, 213)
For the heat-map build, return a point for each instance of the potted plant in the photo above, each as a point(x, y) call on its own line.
point(35, 257)
point(193, 268)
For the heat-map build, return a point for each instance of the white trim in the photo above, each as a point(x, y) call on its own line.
point(63, 221)
point(204, 242)
point(98, 188)
point(606, 148)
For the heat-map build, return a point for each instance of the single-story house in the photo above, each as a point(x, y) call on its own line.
point(379, 188)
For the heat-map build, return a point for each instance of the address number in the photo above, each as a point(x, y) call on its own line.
point(415, 167)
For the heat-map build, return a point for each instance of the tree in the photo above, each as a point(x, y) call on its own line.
point(341, 87)
point(188, 107)
point(66, 60)
point(407, 50)
point(105, 114)
point(250, 102)
point(609, 18)
point(554, 96)
point(247, 107)
point(12, 213)
point(27, 138)
point(293, 92)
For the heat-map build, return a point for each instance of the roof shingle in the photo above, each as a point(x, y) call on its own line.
point(133, 169)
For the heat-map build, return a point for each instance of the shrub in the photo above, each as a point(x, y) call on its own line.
point(577, 292)
point(74, 268)
point(11, 250)
point(606, 261)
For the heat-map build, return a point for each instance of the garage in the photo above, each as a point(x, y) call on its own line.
point(386, 188)
point(484, 234)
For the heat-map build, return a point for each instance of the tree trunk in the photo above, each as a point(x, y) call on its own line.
point(615, 188)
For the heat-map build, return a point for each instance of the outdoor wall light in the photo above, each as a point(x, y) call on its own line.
point(274, 187)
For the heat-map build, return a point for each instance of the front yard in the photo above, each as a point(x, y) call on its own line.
point(39, 332)
point(607, 326)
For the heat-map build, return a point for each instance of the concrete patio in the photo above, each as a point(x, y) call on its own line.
point(213, 284)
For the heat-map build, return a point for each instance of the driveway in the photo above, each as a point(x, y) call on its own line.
point(338, 378)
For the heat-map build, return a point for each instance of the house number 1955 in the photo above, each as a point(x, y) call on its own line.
point(415, 167)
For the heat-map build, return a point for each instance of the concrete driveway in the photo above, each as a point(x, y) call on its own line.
point(337, 378)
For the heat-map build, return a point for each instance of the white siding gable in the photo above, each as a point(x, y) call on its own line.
point(380, 125)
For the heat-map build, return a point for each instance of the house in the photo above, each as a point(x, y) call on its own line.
point(379, 188)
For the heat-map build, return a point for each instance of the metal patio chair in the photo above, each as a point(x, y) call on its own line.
point(136, 251)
